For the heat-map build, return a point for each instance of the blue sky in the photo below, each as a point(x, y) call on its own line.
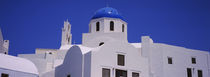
point(31, 24)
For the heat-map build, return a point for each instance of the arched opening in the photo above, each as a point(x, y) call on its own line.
point(97, 26)
point(123, 28)
point(111, 26)
point(101, 43)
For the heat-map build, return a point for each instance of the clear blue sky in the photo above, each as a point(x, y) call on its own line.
point(30, 24)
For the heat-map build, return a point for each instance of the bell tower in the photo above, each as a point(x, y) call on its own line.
point(105, 25)
point(66, 34)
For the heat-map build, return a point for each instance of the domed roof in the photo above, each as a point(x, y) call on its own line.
point(107, 12)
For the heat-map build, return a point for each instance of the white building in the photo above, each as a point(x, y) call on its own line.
point(11, 66)
point(106, 52)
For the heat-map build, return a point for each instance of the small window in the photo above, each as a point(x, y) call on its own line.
point(105, 72)
point(69, 40)
point(200, 73)
point(68, 75)
point(50, 52)
point(5, 52)
point(123, 27)
point(4, 75)
point(134, 74)
point(121, 60)
point(193, 60)
point(111, 26)
point(170, 61)
point(97, 26)
point(189, 72)
point(101, 43)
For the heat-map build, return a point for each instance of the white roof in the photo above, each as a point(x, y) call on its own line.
point(17, 64)
point(85, 49)
point(136, 45)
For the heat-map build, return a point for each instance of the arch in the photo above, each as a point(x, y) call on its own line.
point(111, 26)
point(123, 27)
point(97, 26)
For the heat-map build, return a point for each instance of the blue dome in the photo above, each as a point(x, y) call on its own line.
point(107, 12)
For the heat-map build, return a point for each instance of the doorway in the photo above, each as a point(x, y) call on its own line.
point(120, 73)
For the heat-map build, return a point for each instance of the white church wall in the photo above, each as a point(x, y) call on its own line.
point(158, 55)
point(156, 61)
point(13, 73)
point(40, 61)
point(49, 74)
point(72, 64)
point(117, 25)
point(43, 51)
point(105, 25)
point(92, 25)
point(93, 39)
point(87, 64)
point(106, 57)
point(182, 59)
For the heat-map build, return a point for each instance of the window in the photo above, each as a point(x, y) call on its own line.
point(121, 60)
point(4, 75)
point(189, 72)
point(123, 27)
point(105, 72)
point(200, 74)
point(101, 43)
point(111, 26)
point(5, 52)
point(170, 61)
point(97, 26)
point(50, 52)
point(120, 73)
point(134, 74)
point(68, 75)
point(69, 40)
point(193, 60)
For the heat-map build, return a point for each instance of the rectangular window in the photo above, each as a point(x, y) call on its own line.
point(120, 73)
point(121, 60)
point(200, 73)
point(193, 60)
point(69, 75)
point(105, 72)
point(134, 74)
point(189, 72)
point(170, 61)
point(4, 75)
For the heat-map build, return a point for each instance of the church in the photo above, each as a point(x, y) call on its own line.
point(106, 52)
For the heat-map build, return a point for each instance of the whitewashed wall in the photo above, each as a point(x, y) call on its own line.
point(158, 54)
point(72, 64)
point(16, 73)
point(106, 57)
